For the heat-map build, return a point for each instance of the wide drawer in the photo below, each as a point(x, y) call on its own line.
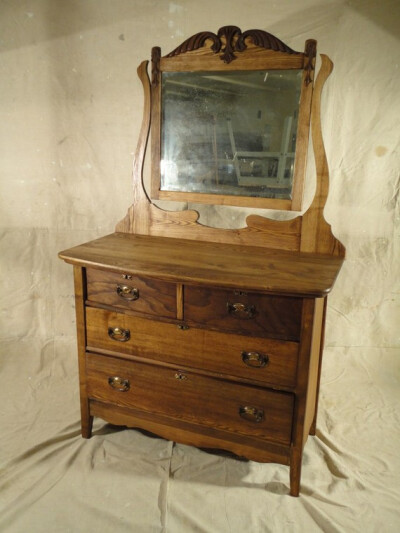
point(143, 295)
point(190, 397)
point(270, 361)
point(244, 312)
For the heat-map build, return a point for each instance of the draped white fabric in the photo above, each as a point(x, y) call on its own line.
point(71, 107)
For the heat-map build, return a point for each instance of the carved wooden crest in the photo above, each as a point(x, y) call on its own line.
point(230, 39)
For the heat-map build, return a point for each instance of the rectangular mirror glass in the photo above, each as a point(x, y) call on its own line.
point(230, 133)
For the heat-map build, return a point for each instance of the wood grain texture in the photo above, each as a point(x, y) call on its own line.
point(192, 398)
point(303, 132)
point(189, 384)
point(256, 49)
point(145, 218)
point(303, 370)
point(200, 349)
point(179, 301)
point(316, 235)
point(315, 365)
point(230, 40)
point(156, 298)
point(313, 426)
point(80, 295)
point(215, 265)
point(140, 199)
point(222, 199)
point(271, 316)
point(307, 233)
point(255, 59)
point(193, 434)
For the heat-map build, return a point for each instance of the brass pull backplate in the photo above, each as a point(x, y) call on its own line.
point(119, 384)
point(240, 310)
point(252, 414)
point(127, 293)
point(255, 359)
point(118, 334)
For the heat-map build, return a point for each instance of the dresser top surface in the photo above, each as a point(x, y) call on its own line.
point(206, 263)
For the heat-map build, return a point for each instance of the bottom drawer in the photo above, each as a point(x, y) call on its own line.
point(233, 407)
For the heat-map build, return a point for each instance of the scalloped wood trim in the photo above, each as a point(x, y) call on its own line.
point(224, 42)
point(309, 233)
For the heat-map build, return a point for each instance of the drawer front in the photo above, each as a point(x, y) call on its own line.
point(270, 361)
point(244, 313)
point(143, 295)
point(185, 396)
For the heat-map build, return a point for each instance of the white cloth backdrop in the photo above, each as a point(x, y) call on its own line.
point(71, 108)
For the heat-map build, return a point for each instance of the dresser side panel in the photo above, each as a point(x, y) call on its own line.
point(80, 297)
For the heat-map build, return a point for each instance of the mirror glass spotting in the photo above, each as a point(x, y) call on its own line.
point(231, 133)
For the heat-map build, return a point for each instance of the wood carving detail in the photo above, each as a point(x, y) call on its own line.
point(224, 42)
point(155, 65)
point(264, 40)
point(197, 41)
point(229, 33)
point(307, 233)
point(309, 56)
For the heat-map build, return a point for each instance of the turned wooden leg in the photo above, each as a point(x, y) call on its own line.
point(87, 426)
point(295, 472)
point(86, 419)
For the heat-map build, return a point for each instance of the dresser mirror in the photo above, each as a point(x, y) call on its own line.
point(235, 131)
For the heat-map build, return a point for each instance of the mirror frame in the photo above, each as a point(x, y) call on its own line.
point(232, 50)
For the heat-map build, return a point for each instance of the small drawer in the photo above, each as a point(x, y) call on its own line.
point(124, 291)
point(189, 397)
point(270, 361)
point(245, 313)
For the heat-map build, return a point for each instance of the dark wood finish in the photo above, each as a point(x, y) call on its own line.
point(261, 315)
point(153, 297)
point(310, 53)
point(160, 390)
point(201, 349)
point(224, 42)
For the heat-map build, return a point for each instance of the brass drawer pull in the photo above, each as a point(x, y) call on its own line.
point(255, 359)
point(240, 310)
point(252, 414)
point(180, 376)
point(118, 334)
point(127, 293)
point(119, 384)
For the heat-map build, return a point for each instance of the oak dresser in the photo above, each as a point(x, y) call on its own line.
point(208, 337)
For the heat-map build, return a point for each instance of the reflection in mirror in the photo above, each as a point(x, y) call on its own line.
point(231, 133)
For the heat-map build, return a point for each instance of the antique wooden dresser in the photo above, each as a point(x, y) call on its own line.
point(212, 337)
